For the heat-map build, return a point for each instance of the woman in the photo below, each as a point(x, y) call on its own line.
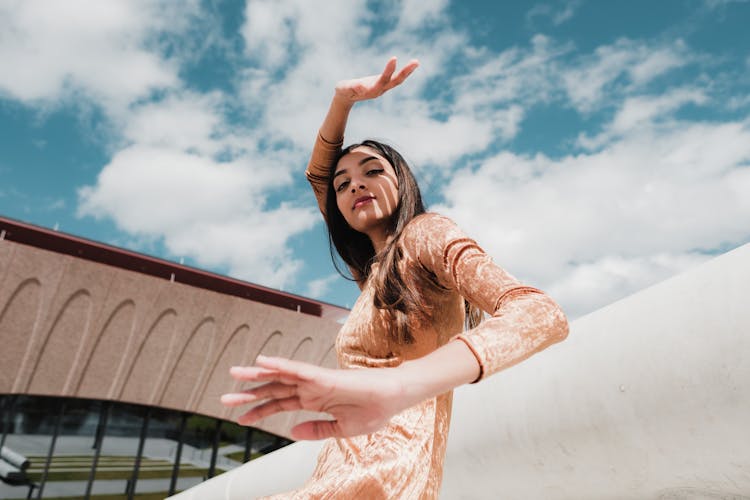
point(418, 274)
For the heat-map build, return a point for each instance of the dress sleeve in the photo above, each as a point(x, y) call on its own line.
point(318, 170)
point(524, 320)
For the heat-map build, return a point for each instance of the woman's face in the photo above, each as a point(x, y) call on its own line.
point(366, 189)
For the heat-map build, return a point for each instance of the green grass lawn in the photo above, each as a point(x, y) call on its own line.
point(141, 496)
point(239, 455)
point(77, 468)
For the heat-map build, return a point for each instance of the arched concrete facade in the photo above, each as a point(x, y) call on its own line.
point(75, 327)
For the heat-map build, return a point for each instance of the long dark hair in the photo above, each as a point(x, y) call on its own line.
point(401, 298)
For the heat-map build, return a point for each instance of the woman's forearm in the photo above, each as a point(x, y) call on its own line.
point(440, 371)
point(334, 124)
point(533, 323)
point(327, 148)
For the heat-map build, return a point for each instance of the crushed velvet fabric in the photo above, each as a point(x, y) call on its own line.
point(405, 459)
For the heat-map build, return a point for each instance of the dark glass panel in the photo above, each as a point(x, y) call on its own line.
point(29, 427)
point(29, 422)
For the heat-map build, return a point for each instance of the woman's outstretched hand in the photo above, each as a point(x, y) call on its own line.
point(360, 401)
point(370, 87)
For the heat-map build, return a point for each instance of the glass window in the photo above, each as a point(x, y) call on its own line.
point(107, 435)
point(30, 423)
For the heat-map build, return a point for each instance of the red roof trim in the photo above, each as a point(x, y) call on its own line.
point(67, 244)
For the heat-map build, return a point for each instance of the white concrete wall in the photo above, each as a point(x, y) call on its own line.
point(648, 398)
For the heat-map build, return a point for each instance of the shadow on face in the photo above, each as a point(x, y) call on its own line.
point(366, 187)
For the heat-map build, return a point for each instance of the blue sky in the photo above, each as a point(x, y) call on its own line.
point(592, 147)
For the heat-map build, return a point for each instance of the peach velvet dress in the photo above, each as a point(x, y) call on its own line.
point(405, 459)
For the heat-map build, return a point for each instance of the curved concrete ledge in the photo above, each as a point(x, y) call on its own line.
point(647, 398)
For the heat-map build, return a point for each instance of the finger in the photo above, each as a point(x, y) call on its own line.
point(251, 373)
point(233, 399)
point(270, 408)
point(260, 374)
point(316, 429)
point(387, 73)
point(273, 390)
point(404, 73)
point(297, 370)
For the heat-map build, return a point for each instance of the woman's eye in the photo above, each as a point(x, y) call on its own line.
point(374, 171)
point(342, 186)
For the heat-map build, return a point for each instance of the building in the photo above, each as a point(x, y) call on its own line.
point(112, 364)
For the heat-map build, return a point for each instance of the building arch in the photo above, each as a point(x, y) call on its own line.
point(219, 379)
point(188, 366)
point(303, 351)
point(17, 327)
point(55, 359)
point(329, 359)
point(141, 380)
point(106, 354)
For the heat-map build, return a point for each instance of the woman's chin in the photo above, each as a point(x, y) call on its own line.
point(367, 225)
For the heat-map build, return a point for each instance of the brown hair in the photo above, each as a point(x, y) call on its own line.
point(402, 298)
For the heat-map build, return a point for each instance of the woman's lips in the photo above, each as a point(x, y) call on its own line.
point(362, 201)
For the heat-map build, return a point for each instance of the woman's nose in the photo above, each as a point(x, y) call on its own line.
point(354, 187)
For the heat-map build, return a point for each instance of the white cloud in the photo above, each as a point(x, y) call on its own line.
point(643, 109)
point(269, 30)
point(650, 199)
point(416, 13)
point(613, 277)
point(183, 121)
point(516, 75)
point(642, 112)
point(422, 139)
point(651, 63)
point(631, 63)
point(96, 48)
point(558, 16)
point(272, 28)
point(153, 189)
point(567, 12)
point(319, 287)
point(213, 212)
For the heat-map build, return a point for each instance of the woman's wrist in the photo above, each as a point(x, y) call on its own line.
point(342, 102)
point(415, 386)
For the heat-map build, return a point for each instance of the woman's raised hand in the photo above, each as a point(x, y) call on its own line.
point(360, 401)
point(370, 87)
